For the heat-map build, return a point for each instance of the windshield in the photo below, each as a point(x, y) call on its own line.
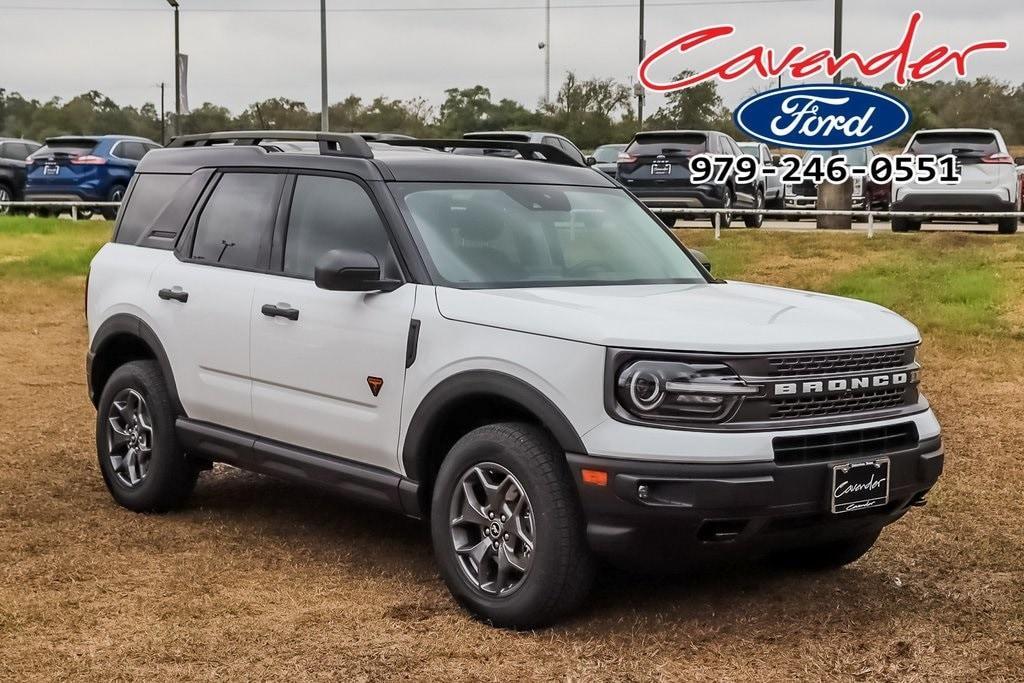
point(854, 157)
point(608, 154)
point(494, 236)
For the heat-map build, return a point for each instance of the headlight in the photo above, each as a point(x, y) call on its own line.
point(672, 391)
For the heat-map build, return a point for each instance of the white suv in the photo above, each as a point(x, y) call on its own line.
point(988, 178)
point(516, 350)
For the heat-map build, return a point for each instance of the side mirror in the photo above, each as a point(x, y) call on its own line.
point(1019, 161)
point(340, 270)
point(702, 259)
point(776, 158)
point(590, 161)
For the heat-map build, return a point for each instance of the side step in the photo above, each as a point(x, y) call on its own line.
point(356, 481)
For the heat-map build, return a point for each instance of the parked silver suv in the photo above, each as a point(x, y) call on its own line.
point(988, 178)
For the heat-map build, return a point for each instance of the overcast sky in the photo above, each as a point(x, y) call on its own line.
point(242, 52)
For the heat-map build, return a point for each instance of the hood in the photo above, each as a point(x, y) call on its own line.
point(733, 317)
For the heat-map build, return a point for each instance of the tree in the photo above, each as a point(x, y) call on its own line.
point(699, 107)
point(584, 110)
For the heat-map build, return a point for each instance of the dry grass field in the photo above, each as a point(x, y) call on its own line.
point(259, 580)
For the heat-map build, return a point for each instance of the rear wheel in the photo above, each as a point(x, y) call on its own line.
point(507, 529)
point(5, 196)
point(116, 194)
point(831, 555)
point(142, 463)
point(756, 220)
point(1008, 226)
point(725, 219)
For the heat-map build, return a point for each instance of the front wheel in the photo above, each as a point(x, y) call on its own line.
point(905, 225)
point(507, 528)
point(142, 463)
point(830, 555)
point(5, 196)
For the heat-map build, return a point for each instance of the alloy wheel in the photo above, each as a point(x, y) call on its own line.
point(5, 196)
point(492, 529)
point(129, 437)
point(726, 220)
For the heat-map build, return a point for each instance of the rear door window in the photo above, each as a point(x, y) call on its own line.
point(235, 225)
point(332, 213)
point(683, 145)
point(133, 151)
point(967, 147)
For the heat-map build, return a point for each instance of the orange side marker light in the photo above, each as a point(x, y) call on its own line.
point(594, 477)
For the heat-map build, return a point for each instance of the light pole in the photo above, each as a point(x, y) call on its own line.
point(324, 123)
point(837, 41)
point(546, 46)
point(640, 88)
point(177, 70)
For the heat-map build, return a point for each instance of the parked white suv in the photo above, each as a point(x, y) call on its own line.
point(988, 178)
point(516, 350)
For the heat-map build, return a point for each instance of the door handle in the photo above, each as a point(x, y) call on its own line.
point(176, 294)
point(272, 311)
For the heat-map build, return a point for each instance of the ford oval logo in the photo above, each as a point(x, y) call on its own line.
point(822, 117)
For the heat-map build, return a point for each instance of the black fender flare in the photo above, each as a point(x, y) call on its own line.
point(126, 324)
point(483, 383)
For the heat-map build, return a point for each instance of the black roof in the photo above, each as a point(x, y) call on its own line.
point(409, 162)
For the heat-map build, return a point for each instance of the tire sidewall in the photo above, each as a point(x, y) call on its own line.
point(166, 461)
point(486, 445)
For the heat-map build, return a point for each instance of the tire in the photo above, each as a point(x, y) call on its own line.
point(905, 225)
point(155, 482)
point(756, 220)
point(831, 555)
point(5, 196)
point(541, 586)
point(116, 194)
point(1008, 226)
point(725, 219)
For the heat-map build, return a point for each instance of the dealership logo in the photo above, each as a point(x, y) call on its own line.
point(800, 63)
point(842, 385)
point(822, 117)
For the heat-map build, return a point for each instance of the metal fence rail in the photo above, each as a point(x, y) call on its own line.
point(869, 216)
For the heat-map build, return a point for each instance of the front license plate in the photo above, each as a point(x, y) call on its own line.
point(860, 485)
point(661, 168)
point(51, 169)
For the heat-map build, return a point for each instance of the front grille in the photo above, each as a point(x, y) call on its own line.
point(848, 444)
point(790, 408)
point(841, 361)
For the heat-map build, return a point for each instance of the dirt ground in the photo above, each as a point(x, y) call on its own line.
point(259, 580)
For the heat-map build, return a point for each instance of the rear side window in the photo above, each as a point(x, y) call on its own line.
point(237, 219)
point(150, 196)
point(670, 145)
point(331, 213)
point(967, 147)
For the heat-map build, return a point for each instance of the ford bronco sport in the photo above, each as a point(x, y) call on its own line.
point(516, 350)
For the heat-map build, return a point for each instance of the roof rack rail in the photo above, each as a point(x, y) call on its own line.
point(332, 144)
point(533, 151)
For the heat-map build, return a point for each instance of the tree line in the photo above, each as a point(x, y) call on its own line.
point(590, 112)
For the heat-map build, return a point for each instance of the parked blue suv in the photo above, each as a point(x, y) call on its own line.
point(85, 168)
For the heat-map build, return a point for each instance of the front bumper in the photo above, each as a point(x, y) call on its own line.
point(692, 508)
